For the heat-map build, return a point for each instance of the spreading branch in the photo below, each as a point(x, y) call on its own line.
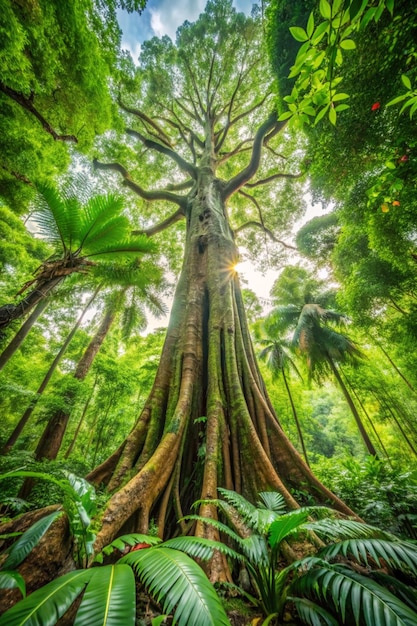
point(153, 145)
point(266, 230)
point(147, 121)
point(27, 104)
point(161, 226)
point(268, 179)
point(151, 196)
point(250, 170)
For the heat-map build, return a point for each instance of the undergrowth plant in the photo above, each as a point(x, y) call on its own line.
point(356, 574)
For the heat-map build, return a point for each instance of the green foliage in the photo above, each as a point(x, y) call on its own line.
point(326, 588)
point(381, 495)
point(171, 577)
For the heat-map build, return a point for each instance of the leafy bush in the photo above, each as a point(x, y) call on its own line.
point(350, 579)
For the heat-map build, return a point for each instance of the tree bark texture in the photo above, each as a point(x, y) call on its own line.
point(22, 333)
point(208, 421)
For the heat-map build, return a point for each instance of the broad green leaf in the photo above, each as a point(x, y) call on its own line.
point(109, 599)
point(312, 613)
point(298, 33)
point(406, 81)
point(332, 115)
point(325, 9)
point(180, 585)
point(310, 25)
point(285, 525)
point(26, 542)
point(12, 580)
point(320, 32)
point(347, 44)
point(130, 540)
point(200, 547)
point(46, 605)
point(397, 100)
point(340, 96)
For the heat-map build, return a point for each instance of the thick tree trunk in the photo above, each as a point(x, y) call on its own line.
point(208, 421)
point(22, 333)
point(365, 437)
point(52, 437)
point(26, 415)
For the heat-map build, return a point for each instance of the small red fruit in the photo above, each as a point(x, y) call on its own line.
point(396, 203)
point(376, 106)
point(404, 158)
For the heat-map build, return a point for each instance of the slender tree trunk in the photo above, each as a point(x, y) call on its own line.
point(387, 356)
point(26, 415)
point(51, 439)
point(383, 403)
point(22, 333)
point(81, 421)
point(10, 312)
point(294, 412)
point(207, 368)
point(365, 437)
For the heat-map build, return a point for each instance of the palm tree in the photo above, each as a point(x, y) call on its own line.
point(324, 348)
point(80, 230)
point(277, 358)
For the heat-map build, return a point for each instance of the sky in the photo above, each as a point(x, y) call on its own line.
point(162, 17)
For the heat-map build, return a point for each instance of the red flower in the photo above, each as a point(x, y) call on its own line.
point(404, 158)
point(376, 106)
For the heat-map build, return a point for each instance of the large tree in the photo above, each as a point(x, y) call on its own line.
point(203, 117)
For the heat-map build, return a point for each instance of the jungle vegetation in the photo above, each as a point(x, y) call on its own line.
point(274, 442)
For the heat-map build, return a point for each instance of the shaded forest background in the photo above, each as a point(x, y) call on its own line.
point(344, 305)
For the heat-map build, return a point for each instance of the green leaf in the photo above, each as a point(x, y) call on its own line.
point(325, 9)
point(312, 613)
point(177, 582)
point(320, 32)
point(298, 33)
point(26, 542)
point(310, 25)
point(356, 7)
point(200, 547)
point(285, 525)
point(321, 114)
point(397, 100)
point(406, 81)
point(46, 605)
point(12, 580)
point(332, 115)
point(130, 540)
point(340, 96)
point(109, 599)
point(347, 44)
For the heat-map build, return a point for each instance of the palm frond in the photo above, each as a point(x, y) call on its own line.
point(113, 249)
point(286, 525)
point(19, 550)
point(98, 214)
point(109, 599)
point(399, 555)
point(257, 519)
point(353, 596)
point(57, 217)
point(311, 613)
point(340, 529)
point(130, 540)
point(273, 501)
point(201, 548)
point(12, 580)
point(216, 524)
point(405, 593)
point(179, 584)
point(47, 604)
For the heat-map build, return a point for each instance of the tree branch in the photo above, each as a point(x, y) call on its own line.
point(158, 228)
point(27, 104)
point(250, 170)
point(264, 181)
point(149, 143)
point(151, 196)
point(146, 120)
point(266, 230)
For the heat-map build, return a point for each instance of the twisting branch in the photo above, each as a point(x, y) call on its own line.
point(154, 145)
point(250, 170)
point(27, 103)
point(225, 156)
point(147, 121)
point(18, 176)
point(151, 196)
point(158, 228)
point(266, 230)
point(264, 181)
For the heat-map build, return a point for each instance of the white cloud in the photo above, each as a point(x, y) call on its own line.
point(168, 15)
